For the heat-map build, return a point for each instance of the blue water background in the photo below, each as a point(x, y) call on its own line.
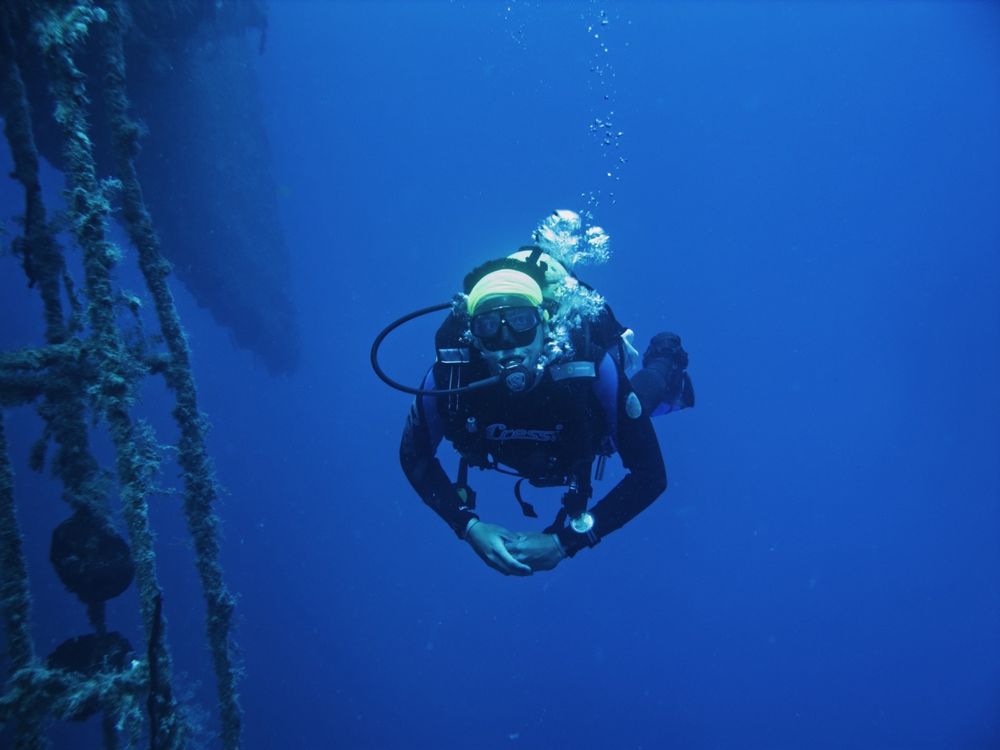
point(810, 199)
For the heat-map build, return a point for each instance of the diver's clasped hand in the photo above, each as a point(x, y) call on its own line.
point(540, 551)
point(512, 553)
point(490, 541)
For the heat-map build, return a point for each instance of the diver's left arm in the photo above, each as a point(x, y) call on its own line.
point(645, 481)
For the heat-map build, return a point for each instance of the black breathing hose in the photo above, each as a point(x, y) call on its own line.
point(420, 391)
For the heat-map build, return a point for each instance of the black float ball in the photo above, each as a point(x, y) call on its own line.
point(91, 558)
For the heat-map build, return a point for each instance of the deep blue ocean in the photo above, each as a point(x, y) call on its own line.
point(808, 193)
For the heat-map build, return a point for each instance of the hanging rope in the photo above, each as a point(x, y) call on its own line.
point(58, 34)
point(15, 601)
point(37, 691)
point(74, 372)
point(199, 477)
point(42, 261)
point(65, 411)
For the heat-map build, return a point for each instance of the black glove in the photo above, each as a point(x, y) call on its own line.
point(665, 350)
point(663, 379)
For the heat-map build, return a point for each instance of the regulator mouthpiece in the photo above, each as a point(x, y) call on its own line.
point(515, 378)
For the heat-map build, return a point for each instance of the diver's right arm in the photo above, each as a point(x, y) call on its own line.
point(417, 455)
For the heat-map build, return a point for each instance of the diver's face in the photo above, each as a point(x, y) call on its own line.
point(509, 333)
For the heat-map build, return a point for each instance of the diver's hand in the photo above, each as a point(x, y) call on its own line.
point(490, 542)
point(540, 551)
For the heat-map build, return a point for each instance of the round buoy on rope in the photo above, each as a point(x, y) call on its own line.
point(91, 558)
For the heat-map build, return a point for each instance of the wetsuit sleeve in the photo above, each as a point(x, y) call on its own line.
point(417, 455)
point(639, 449)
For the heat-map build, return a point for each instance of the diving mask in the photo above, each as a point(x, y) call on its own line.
point(510, 336)
point(502, 327)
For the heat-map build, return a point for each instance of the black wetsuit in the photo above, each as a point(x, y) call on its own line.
point(551, 433)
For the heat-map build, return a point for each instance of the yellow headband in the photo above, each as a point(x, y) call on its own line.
point(505, 281)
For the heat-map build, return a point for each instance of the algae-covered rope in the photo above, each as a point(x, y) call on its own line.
point(41, 258)
point(64, 408)
point(15, 606)
point(15, 599)
point(58, 35)
point(111, 372)
point(199, 477)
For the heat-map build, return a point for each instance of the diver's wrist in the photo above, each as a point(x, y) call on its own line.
point(559, 546)
point(468, 527)
point(572, 542)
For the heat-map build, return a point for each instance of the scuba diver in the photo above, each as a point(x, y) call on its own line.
point(532, 379)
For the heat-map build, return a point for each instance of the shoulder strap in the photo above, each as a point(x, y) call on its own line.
point(575, 369)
